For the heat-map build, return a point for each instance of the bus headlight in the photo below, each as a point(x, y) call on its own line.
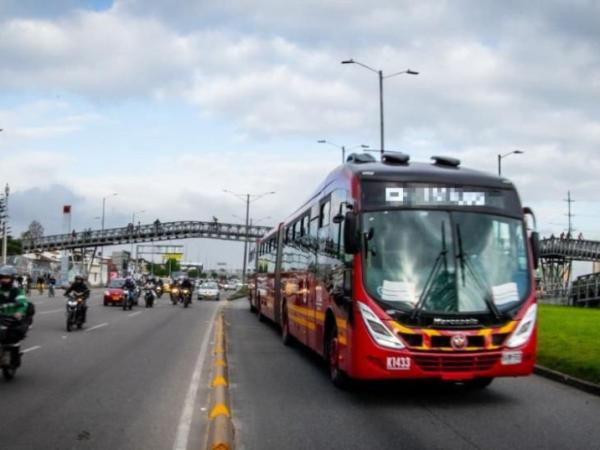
point(525, 328)
point(378, 331)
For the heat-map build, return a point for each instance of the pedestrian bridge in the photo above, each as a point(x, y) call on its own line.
point(570, 249)
point(556, 258)
point(145, 233)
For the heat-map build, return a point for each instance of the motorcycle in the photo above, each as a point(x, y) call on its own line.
point(186, 297)
point(128, 299)
point(149, 297)
point(75, 311)
point(159, 291)
point(174, 296)
point(11, 334)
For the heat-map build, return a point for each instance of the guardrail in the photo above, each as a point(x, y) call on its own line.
point(145, 233)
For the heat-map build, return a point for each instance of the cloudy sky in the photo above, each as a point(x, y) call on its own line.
point(169, 103)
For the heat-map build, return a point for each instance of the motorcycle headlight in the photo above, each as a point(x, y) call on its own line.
point(525, 328)
point(107, 294)
point(377, 329)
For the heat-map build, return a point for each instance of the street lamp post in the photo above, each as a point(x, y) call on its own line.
point(104, 207)
point(381, 77)
point(341, 147)
point(248, 198)
point(5, 223)
point(514, 152)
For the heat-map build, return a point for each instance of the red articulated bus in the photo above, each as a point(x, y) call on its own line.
point(400, 270)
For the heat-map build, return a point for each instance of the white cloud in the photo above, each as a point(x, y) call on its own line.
point(494, 77)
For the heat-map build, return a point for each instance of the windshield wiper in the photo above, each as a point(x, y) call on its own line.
point(465, 262)
point(432, 275)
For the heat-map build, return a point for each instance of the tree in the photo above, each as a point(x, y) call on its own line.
point(172, 265)
point(34, 232)
point(13, 246)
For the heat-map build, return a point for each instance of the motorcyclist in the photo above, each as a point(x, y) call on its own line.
point(151, 285)
point(13, 303)
point(130, 286)
point(186, 283)
point(80, 289)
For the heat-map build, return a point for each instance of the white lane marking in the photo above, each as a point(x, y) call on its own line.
point(105, 324)
point(185, 421)
point(30, 349)
point(134, 314)
point(51, 311)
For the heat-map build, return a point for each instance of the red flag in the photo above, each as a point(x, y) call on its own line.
point(67, 209)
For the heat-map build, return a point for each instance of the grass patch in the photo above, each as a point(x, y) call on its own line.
point(569, 340)
point(240, 293)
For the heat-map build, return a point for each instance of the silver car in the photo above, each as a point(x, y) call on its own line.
point(209, 291)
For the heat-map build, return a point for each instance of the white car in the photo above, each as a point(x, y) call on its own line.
point(209, 290)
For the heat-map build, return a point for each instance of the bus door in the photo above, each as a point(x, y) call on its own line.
point(296, 257)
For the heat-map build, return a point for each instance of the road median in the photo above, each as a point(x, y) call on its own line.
point(220, 427)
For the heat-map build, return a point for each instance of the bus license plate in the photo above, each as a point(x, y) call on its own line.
point(398, 363)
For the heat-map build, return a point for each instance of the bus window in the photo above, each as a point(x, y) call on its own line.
point(324, 214)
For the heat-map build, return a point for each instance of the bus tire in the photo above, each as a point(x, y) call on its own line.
point(286, 337)
point(337, 376)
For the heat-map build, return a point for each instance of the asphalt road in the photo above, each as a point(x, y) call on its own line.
point(120, 383)
point(282, 398)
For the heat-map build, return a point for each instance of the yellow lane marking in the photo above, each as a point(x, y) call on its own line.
point(219, 410)
point(219, 381)
point(220, 363)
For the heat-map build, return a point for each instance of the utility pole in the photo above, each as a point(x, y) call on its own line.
point(570, 216)
point(5, 223)
point(248, 198)
point(244, 264)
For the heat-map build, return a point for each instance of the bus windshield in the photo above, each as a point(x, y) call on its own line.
point(445, 262)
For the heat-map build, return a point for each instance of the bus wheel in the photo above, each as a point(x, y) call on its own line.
point(286, 337)
point(479, 383)
point(332, 353)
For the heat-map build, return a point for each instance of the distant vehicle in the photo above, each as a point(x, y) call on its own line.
point(114, 294)
point(229, 285)
point(166, 285)
point(209, 291)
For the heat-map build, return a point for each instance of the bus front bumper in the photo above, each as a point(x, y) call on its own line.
point(447, 366)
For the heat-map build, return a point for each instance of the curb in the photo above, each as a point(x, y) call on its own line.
point(582, 385)
point(220, 426)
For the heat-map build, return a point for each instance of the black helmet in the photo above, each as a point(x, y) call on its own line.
point(7, 276)
point(78, 278)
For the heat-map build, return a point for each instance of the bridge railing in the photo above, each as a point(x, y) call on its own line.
point(142, 233)
point(575, 249)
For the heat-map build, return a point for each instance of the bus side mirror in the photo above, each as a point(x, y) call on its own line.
point(351, 238)
point(535, 248)
point(534, 237)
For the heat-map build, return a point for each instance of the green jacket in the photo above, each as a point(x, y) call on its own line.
point(12, 301)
